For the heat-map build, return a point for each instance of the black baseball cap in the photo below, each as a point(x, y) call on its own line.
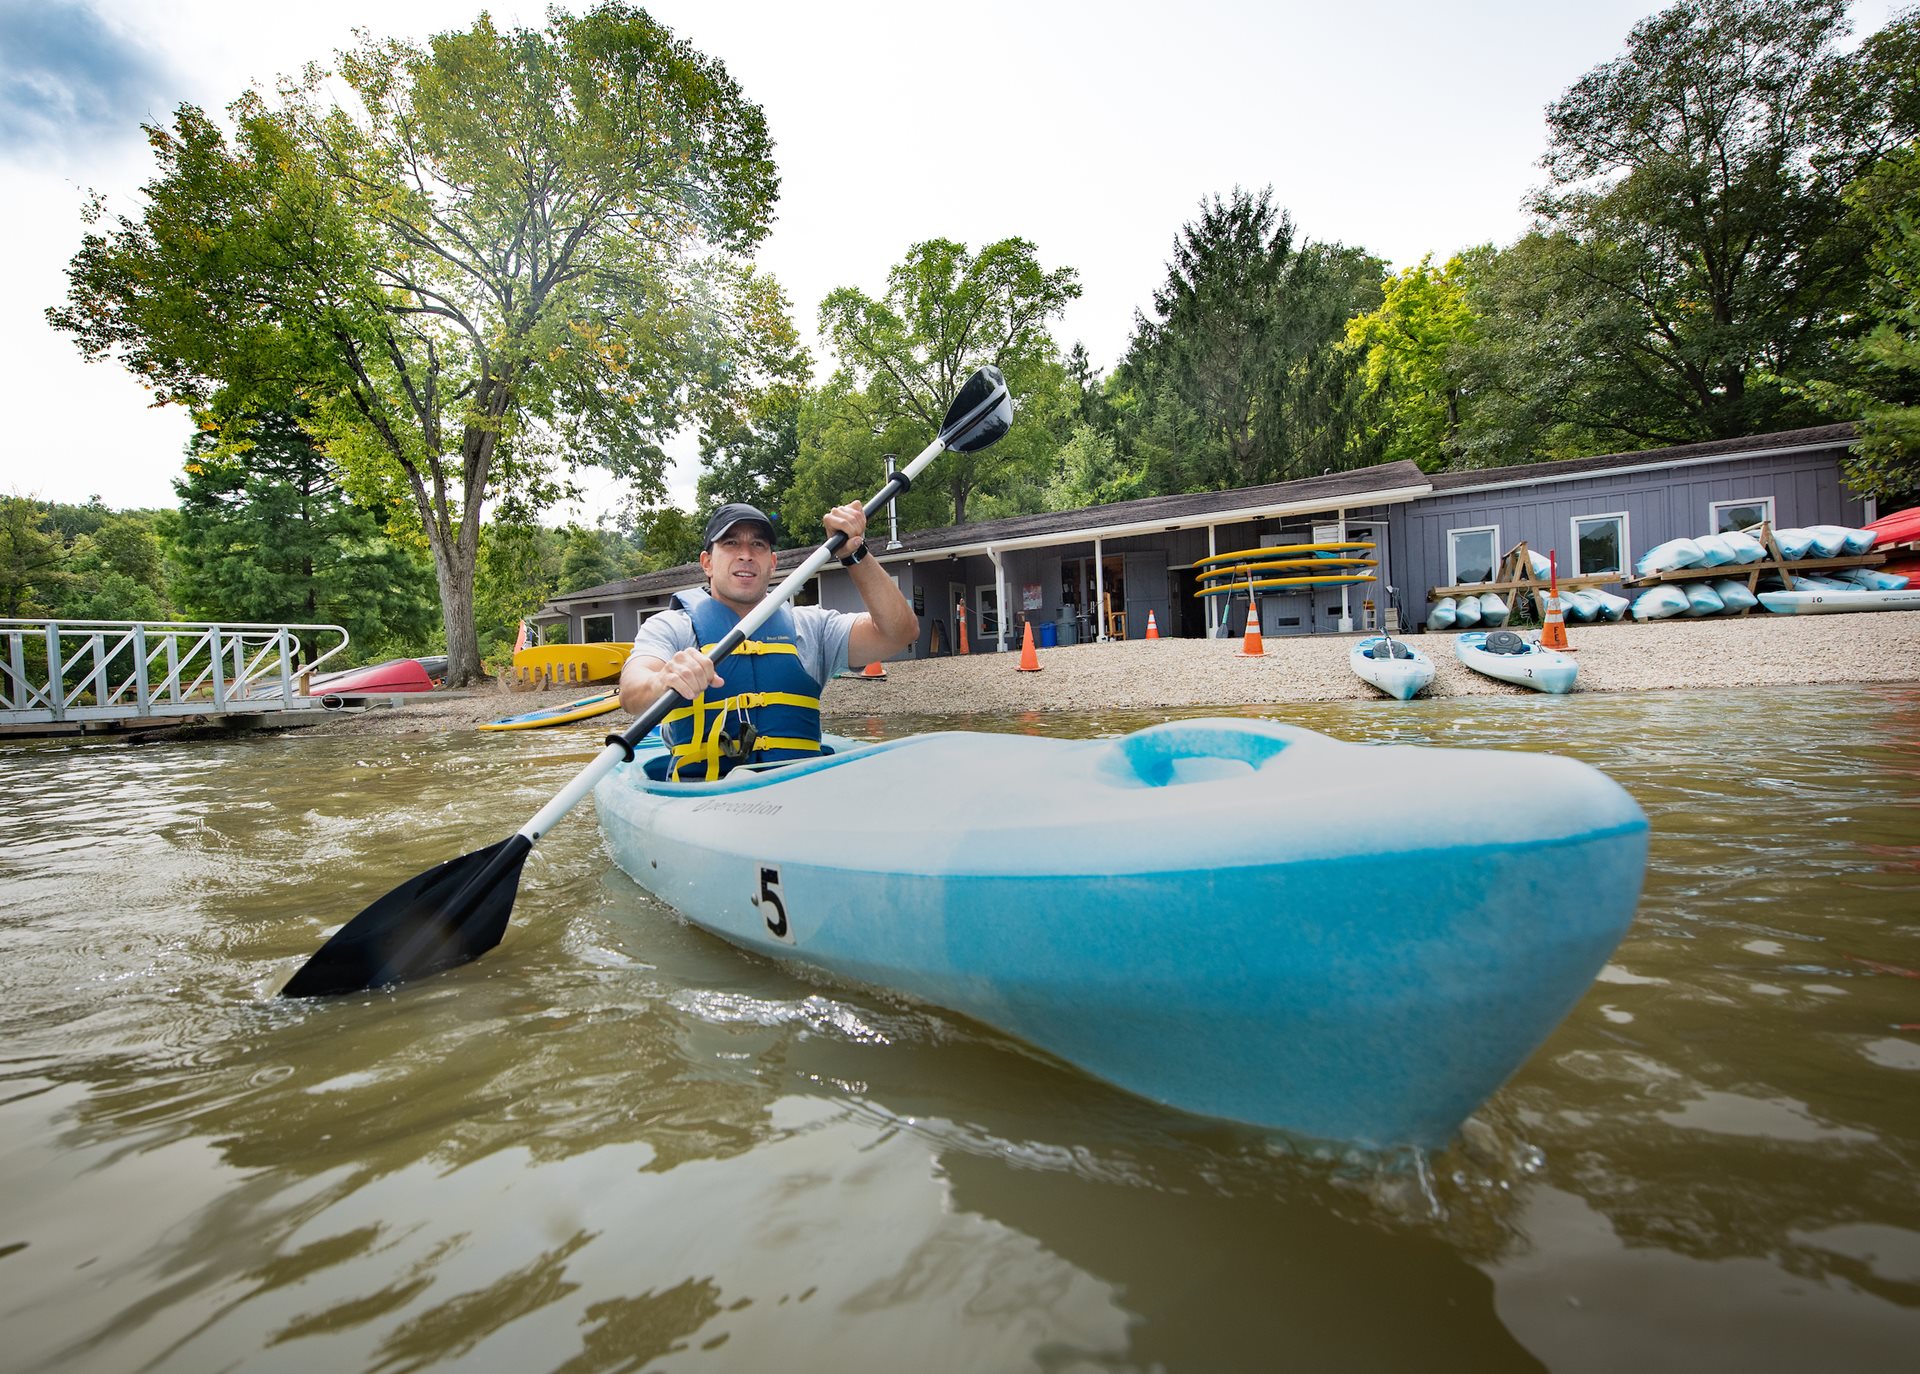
point(733, 514)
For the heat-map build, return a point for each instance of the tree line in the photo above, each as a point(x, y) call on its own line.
point(512, 254)
point(270, 536)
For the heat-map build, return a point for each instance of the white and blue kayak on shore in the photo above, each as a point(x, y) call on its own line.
point(1392, 665)
point(1235, 918)
point(1827, 600)
point(1509, 657)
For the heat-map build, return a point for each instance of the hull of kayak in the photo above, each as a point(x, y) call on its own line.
point(1896, 528)
point(1368, 971)
point(1828, 602)
point(1400, 678)
point(1544, 670)
point(396, 675)
point(559, 663)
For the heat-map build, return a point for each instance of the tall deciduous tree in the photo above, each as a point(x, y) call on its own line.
point(510, 244)
point(1882, 393)
point(1692, 253)
point(1416, 346)
point(753, 460)
point(905, 354)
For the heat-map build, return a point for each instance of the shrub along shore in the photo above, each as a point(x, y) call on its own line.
point(1757, 651)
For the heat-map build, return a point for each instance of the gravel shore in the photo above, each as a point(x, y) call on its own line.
point(1139, 674)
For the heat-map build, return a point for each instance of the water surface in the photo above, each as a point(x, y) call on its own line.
point(618, 1144)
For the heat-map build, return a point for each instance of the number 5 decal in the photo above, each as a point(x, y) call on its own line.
point(771, 907)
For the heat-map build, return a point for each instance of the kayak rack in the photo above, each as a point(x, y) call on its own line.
point(1773, 561)
point(66, 676)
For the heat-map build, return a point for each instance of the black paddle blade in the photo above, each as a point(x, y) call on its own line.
point(980, 415)
point(445, 916)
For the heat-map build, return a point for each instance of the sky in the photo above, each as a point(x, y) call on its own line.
point(1094, 130)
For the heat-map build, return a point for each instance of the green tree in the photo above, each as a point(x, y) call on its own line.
point(1417, 347)
point(33, 558)
point(667, 537)
point(1090, 472)
point(1241, 376)
point(1692, 256)
point(519, 569)
point(266, 534)
point(591, 558)
point(904, 356)
point(512, 244)
point(1882, 394)
point(117, 572)
point(753, 461)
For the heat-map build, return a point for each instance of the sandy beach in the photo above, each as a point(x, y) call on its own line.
point(1144, 674)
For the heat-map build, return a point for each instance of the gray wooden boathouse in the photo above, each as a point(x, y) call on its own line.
point(1100, 572)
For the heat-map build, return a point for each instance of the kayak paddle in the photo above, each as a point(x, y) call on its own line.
point(458, 910)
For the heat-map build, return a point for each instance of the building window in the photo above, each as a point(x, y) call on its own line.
point(986, 601)
point(1739, 515)
point(1470, 555)
point(596, 629)
point(1600, 543)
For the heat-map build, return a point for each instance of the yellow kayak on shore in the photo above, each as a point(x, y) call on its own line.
point(553, 664)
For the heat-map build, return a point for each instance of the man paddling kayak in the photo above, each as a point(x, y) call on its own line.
point(770, 709)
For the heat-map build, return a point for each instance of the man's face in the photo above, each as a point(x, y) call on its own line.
point(739, 565)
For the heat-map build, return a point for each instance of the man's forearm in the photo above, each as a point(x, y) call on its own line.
point(890, 611)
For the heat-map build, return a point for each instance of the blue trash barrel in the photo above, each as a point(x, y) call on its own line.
point(1049, 635)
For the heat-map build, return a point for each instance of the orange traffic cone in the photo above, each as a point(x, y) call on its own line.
point(1153, 630)
point(875, 669)
point(1029, 660)
point(1251, 647)
point(960, 615)
point(1553, 628)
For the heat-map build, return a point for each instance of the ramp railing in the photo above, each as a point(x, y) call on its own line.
point(100, 670)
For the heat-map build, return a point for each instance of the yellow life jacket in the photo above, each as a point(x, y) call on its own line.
point(771, 710)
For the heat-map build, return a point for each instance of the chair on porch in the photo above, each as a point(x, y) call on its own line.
point(1116, 621)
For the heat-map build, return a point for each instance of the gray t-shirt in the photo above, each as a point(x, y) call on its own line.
point(819, 634)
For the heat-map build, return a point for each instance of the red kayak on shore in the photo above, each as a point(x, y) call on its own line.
point(395, 675)
point(1897, 528)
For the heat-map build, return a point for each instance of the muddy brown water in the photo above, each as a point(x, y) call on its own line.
point(618, 1144)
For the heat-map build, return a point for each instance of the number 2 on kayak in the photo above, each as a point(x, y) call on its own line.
point(771, 906)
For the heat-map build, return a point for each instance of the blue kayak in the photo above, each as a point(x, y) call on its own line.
point(1236, 918)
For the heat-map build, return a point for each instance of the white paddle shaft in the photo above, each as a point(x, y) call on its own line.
point(587, 778)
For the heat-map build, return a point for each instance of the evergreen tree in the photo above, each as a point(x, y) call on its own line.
point(266, 535)
point(1242, 376)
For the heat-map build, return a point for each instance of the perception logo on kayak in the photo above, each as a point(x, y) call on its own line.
point(745, 808)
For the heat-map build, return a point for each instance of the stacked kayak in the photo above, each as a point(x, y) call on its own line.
point(1508, 657)
point(1392, 665)
point(1368, 968)
point(1898, 535)
point(1280, 566)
